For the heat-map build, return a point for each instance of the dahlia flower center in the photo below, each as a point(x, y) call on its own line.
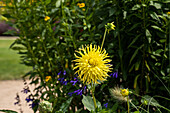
point(93, 62)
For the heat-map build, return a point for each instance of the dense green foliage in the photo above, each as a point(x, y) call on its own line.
point(138, 48)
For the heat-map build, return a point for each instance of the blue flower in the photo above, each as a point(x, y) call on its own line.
point(71, 93)
point(59, 73)
point(85, 88)
point(105, 105)
point(115, 74)
point(28, 99)
point(33, 104)
point(78, 92)
point(25, 90)
point(65, 82)
point(61, 79)
point(64, 73)
point(74, 81)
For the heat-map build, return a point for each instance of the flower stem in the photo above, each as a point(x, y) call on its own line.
point(104, 38)
point(94, 100)
point(128, 104)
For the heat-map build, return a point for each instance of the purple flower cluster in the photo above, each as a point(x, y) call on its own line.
point(33, 105)
point(25, 90)
point(62, 80)
point(78, 92)
point(115, 74)
point(105, 105)
point(28, 99)
point(74, 81)
point(17, 99)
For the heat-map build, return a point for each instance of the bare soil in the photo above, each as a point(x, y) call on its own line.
point(8, 91)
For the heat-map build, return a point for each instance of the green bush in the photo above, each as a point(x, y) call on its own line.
point(51, 31)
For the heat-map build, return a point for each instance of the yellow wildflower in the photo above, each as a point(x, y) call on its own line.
point(168, 13)
point(46, 18)
point(81, 5)
point(47, 78)
point(78, 4)
point(2, 4)
point(84, 24)
point(92, 64)
point(117, 94)
point(83, 9)
point(110, 26)
point(125, 92)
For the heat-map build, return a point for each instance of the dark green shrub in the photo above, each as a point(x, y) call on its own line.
point(138, 47)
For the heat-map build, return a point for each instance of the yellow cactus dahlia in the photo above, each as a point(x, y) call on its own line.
point(92, 65)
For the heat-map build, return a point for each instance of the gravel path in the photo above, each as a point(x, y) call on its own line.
point(8, 91)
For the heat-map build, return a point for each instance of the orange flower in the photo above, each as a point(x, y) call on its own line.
point(47, 78)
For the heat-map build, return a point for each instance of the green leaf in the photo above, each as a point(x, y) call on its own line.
point(162, 40)
point(90, 16)
point(148, 35)
point(149, 100)
point(115, 106)
point(124, 14)
point(8, 111)
point(88, 103)
point(159, 51)
point(85, 35)
point(134, 40)
point(58, 3)
point(157, 28)
point(137, 64)
point(155, 16)
point(152, 56)
point(157, 5)
point(89, 26)
point(135, 53)
point(131, 67)
point(67, 11)
point(134, 26)
point(136, 7)
point(146, 64)
point(65, 105)
point(111, 11)
point(47, 2)
point(136, 81)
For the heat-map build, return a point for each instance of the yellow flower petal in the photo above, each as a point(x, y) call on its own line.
point(91, 64)
point(46, 18)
